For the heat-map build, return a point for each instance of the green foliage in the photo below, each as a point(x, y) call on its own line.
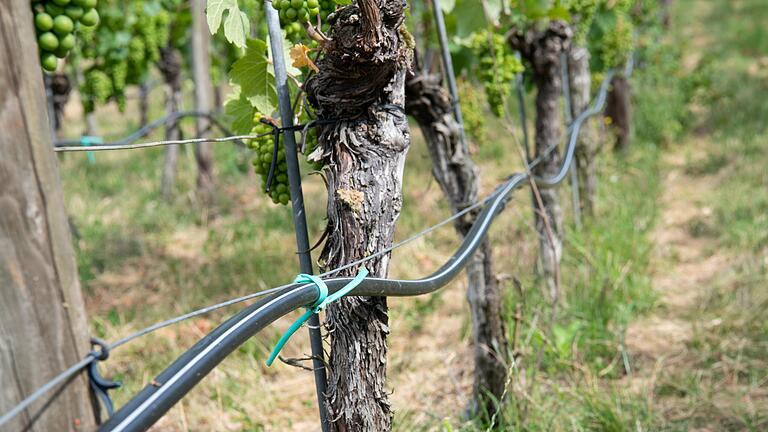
point(610, 37)
point(57, 23)
point(251, 73)
point(473, 105)
point(661, 96)
point(236, 23)
point(583, 13)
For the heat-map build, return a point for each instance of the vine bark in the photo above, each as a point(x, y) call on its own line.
point(618, 110)
point(170, 66)
point(541, 48)
point(588, 144)
point(361, 85)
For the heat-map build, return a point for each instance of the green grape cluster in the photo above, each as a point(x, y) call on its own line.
point(56, 22)
point(295, 13)
point(472, 110)
point(123, 48)
point(498, 67)
point(263, 147)
point(618, 42)
point(98, 85)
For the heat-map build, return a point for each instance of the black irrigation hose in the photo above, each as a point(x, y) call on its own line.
point(182, 375)
point(178, 379)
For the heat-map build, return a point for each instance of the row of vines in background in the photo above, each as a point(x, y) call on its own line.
point(492, 44)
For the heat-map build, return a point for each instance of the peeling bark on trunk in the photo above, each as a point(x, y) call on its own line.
point(361, 84)
point(619, 110)
point(588, 144)
point(43, 326)
point(170, 66)
point(453, 168)
point(541, 48)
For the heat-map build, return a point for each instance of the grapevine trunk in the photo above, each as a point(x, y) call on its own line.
point(541, 48)
point(457, 175)
point(361, 85)
point(588, 144)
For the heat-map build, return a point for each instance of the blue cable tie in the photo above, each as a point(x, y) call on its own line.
point(323, 300)
point(87, 141)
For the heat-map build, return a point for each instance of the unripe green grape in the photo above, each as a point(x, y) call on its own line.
point(48, 41)
point(63, 25)
point(61, 2)
point(313, 4)
point(61, 52)
point(297, 4)
point(74, 12)
point(53, 9)
point(43, 22)
point(90, 18)
point(303, 15)
point(49, 62)
point(291, 13)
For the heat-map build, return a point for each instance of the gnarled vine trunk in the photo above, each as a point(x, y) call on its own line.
point(361, 86)
point(453, 168)
point(618, 110)
point(170, 66)
point(541, 48)
point(588, 144)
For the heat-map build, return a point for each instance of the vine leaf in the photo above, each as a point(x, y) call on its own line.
point(236, 24)
point(301, 59)
point(239, 111)
point(251, 73)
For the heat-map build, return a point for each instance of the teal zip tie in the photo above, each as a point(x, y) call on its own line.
point(86, 141)
point(323, 300)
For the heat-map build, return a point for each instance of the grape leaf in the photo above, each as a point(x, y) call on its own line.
point(472, 18)
point(493, 9)
point(301, 59)
point(236, 24)
point(251, 73)
point(239, 112)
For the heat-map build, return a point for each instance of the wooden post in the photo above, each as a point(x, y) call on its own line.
point(43, 329)
point(201, 70)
